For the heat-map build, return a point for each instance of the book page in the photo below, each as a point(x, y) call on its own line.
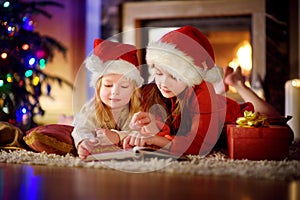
point(135, 153)
point(120, 154)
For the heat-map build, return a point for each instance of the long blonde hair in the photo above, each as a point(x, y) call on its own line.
point(104, 115)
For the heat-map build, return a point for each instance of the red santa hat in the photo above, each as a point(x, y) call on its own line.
point(113, 58)
point(185, 53)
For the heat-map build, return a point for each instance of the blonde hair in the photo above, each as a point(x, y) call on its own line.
point(104, 115)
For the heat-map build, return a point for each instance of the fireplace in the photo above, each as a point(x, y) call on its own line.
point(232, 26)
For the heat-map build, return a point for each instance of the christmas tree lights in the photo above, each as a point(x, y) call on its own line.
point(24, 54)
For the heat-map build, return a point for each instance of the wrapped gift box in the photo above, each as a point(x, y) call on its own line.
point(258, 143)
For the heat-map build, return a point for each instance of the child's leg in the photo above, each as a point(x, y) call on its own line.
point(236, 80)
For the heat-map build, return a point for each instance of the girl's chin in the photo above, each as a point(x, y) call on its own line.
point(168, 95)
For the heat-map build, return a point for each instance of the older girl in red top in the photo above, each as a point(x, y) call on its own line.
point(183, 114)
point(182, 111)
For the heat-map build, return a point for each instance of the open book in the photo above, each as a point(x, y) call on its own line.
point(134, 153)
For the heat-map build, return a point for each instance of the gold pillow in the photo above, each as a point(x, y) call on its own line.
point(52, 138)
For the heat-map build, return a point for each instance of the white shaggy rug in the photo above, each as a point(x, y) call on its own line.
point(215, 164)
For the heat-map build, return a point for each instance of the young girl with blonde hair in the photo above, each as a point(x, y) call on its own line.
point(103, 122)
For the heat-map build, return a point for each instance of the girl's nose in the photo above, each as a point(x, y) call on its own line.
point(165, 81)
point(161, 79)
point(115, 90)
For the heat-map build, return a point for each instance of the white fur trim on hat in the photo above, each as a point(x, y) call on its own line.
point(99, 69)
point(179, 64)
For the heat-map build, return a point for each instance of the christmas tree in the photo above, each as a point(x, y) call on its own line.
point(24, 53)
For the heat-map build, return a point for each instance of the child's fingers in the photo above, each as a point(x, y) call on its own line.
point(144, 130)
point(142, 142)
point(88, 144)
point(132, 141)
point(137, 142)
point(83, 152)
point(143, 119)
point(139, 116)
point(133, 123)
point(135, 116)
point(126, 142)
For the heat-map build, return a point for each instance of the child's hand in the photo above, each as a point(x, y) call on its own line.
point(86, 147)
point(137, 139)
point(139, 120)
point(107, 137)
point(144, 122)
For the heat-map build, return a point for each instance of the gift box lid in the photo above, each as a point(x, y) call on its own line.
point(271, 132)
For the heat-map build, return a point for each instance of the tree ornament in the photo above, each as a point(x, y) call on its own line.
point(28, 23)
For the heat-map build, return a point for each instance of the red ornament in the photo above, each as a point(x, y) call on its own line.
point(42, 53)
point(21, 83)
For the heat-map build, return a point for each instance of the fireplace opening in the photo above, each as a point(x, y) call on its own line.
point(230, 37)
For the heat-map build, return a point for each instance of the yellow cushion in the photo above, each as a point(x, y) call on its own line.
point(52, 138)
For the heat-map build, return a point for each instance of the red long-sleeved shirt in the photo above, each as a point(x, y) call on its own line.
point(198, 128)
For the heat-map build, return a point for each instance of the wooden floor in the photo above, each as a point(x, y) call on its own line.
point(55, 183)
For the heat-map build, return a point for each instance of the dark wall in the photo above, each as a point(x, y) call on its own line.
point(277, 48)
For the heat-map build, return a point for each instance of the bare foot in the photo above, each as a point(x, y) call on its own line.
point(234, 78)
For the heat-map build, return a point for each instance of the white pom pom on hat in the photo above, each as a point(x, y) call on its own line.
point(113, 58)
point(187, 54)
